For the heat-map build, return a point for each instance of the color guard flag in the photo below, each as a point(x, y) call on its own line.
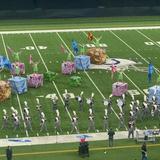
point(150, 71)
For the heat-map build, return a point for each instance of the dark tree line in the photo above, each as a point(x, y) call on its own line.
point(67, 4)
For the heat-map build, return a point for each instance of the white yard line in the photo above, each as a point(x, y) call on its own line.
point(79, 30)
point(48, 70)
point(133, 50)
point(129, 79)
point(19, 103)
point(88, 76)
point(158, 45)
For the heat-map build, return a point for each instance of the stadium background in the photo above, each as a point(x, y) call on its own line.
point(73, 8)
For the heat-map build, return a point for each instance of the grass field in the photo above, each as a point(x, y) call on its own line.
point(123, 149)
point(127, 44)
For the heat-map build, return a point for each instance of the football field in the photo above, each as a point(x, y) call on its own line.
point(141, 45)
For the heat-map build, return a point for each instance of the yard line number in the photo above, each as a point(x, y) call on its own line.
point(152, 43)
point(30, 48)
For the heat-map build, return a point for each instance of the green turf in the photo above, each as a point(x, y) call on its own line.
point(69, 151)
point(100, 22)
point(53, 58)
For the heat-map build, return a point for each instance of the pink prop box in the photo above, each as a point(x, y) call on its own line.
point(35, 80)
point(119, 88)
point(21, 67)
point(68, 67)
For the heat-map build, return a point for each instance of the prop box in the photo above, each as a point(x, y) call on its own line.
point(119, 88)
point(18, 85)
point(50, 76)
point(5, 90)
point(82, 62)
point(21, 68)
point(35, 80)
point(75, 81)
point(68, 67)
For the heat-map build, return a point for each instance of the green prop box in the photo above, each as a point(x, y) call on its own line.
point(50, 76)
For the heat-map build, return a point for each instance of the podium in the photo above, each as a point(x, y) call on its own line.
point(83, 149)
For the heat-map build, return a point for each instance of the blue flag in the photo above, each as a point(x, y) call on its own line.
point(150, 71)
point(5, 63)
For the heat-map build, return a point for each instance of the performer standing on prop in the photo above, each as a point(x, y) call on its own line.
point(82, 48)
point(69, 57)
point(34, 64)
point(17, 70)
point(113, 70)
point(120, 76)
point(15, 54)
point(63, 49)
point(75, 47)
point(90, 36)
point(97, 42)
point(35, 67)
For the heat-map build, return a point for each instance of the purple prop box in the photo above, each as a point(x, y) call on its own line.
point(35, 80)
point(119, 88)
point(82, 62)
point(21, 67)
point(68, 67)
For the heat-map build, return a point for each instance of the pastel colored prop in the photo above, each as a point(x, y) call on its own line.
point(75, 81)
point(154, 91)
point(68, 67)
point(119, 88)
point(18, 84)
point(21, 68)
point(5, 90)
point(97, 55)
point(35, 80)
point(82, 62)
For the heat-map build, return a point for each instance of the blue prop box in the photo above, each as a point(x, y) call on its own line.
point(154, 91)
point(18, 85)
point(82, 62)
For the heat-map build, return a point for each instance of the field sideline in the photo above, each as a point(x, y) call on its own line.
point(75, 150)
point(80, 30)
